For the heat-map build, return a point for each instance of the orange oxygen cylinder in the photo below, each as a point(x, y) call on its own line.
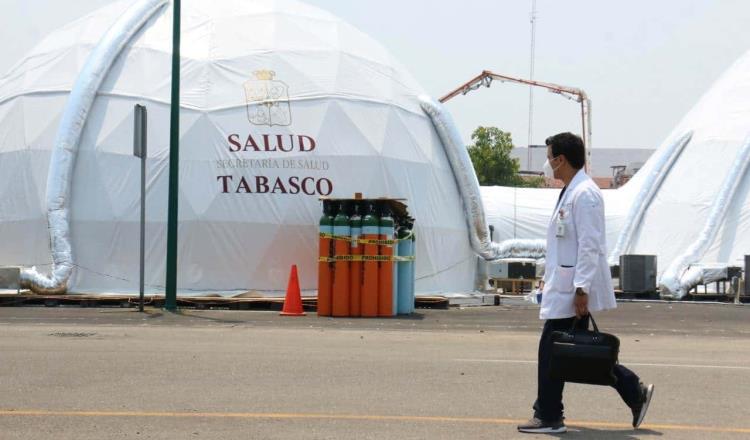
point(385, 275)
point(342, 244)
point(356, 268)
point(325, 268)
point(369, 294)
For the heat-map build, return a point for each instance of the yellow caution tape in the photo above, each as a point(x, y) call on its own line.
point(357, 258)
point(360, 240)
point(377, 242)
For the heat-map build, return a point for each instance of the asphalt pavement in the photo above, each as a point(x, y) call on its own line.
point(462, 373)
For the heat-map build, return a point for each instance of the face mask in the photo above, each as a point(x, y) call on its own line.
point(549, 172)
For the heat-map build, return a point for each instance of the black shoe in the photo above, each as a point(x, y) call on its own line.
point(538, 426)
point(639, 412)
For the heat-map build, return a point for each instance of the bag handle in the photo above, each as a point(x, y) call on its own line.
point(591, 318)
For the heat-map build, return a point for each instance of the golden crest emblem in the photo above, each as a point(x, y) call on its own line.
point(267, 100)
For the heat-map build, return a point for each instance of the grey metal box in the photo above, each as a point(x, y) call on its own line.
point(10, 278)
point(638, 273)
point(747, 272)
point(512, 269)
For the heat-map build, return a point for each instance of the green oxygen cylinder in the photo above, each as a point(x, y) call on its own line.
point(325, 268)
point(370, 231)
point(356, 268)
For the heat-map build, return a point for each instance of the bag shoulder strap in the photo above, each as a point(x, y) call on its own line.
point(591, 318)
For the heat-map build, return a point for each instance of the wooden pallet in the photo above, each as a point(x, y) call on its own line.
point(28, 299)
point(620, 294)
point(690, 297)
point(199, 303)
point(715, 297)
point(432, 302)
point(513, 286)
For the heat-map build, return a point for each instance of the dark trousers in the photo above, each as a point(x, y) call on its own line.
point(548, 405)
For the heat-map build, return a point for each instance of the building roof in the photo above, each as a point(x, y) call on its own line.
point(602, 159)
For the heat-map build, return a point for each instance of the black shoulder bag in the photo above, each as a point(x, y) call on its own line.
point(584, 356)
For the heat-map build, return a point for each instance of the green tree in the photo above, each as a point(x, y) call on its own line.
point(490, 154)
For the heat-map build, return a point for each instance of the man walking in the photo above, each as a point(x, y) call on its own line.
point(576, 281)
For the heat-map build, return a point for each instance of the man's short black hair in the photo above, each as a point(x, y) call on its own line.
point(570, 146)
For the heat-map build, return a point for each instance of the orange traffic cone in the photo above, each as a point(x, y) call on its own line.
point(293, 300)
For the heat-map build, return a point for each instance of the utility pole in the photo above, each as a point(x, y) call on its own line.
point(170, 300)
point(531, 88)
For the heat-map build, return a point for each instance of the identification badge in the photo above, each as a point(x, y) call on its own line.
point(560, 230)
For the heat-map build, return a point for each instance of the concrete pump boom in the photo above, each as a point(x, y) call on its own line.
point(487, 77)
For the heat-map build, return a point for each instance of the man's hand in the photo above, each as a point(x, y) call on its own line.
point(581, 303)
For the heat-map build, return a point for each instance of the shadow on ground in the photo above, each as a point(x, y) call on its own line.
point(580, 432)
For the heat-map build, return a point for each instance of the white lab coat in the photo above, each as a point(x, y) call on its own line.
point(579, 257)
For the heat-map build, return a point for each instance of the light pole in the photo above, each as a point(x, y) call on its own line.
point(170, 301)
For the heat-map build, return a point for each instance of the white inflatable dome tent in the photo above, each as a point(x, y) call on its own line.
point(345, 119)
point(689, 205)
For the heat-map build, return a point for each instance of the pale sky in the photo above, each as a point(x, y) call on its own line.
point(644, 63)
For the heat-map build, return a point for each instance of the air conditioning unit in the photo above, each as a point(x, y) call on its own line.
point(638, 273)
point(512, 269)
point(614, 272)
